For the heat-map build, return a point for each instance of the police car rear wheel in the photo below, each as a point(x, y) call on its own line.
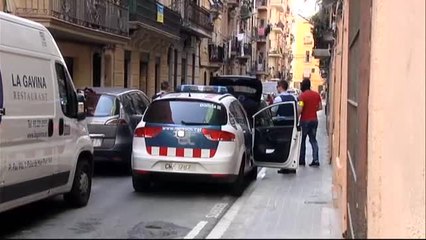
point(141, 184)
point(237, 187)
point(253, 173)
point(82, 184)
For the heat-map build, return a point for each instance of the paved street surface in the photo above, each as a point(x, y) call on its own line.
point(275, 206)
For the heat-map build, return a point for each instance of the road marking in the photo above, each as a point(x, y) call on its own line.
point(227, 219)
point(216, 210)
point(261, 174)
point(196, 230)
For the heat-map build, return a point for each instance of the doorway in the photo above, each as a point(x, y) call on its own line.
point(96, 73)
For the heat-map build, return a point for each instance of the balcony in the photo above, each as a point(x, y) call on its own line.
point(244, 51)
point(275, 53)
point(233, 3)
point(216, 57)
point(100, 21)
point(279, 4)
point(262, 5)
point(196, 20)
point(260, 34)
point(261, 68)
point(278, 28)
point(216, 8)
point(144, 13)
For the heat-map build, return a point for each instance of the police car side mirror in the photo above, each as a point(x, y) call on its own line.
point(81, 114)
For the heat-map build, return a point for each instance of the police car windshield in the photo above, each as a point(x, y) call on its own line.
point(187, 112)
point(98, 105)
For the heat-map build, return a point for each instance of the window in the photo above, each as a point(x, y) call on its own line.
point(101, 105)
point(186, 112)
point(67, 95)
point(239, 115)
point(307, 56)
point(313, 70)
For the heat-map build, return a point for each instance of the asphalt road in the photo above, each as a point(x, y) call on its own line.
point(171, 210)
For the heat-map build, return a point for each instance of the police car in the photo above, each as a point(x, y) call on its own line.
point(198, 131)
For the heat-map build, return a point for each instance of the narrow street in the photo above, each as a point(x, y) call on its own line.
point(276, 205)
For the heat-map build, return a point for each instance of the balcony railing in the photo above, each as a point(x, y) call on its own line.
point(145, 11)
point(244, 50)
point(262, 4)
point(193, 15)
point(216, 53)
point(100, 15)
point(198, 16)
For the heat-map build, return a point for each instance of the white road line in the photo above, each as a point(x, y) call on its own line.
point(196, 230)
point(216, 210)
point(261, 174)
point(227, 219)
point(225, 222)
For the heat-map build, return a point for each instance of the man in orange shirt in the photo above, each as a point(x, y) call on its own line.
point(311, 102)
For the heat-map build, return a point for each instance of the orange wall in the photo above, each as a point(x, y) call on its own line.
point(396, 138)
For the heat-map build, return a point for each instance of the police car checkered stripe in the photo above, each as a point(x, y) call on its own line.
point(181, 152)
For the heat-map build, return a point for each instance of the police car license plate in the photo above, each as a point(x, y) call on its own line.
point(97, 142)
point(185, 167)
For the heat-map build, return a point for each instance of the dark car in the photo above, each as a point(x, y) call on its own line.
point(112, 116)
point(248, 90)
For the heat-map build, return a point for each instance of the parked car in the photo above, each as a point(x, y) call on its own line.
point(275, 145)
point(45, 149)
point(112, 116)
point(199, 132)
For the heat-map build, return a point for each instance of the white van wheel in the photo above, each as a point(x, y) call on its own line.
point(82, 184)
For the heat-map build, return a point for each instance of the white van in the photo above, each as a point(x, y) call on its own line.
point(45, 148)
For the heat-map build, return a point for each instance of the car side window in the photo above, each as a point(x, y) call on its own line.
point(139, 103)
point(127, 102)
point(236, 110)
point(243, 118)
point(67, 95)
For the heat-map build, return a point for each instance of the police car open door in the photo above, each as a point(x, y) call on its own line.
point(277, 139)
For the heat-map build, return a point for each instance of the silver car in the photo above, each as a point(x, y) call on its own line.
point(112, 116)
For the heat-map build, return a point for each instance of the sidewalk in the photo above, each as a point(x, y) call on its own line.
point(286, 205)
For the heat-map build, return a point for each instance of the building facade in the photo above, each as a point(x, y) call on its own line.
point(131, 44)
point(304, 65)
point(377, 143)
point(272, 36)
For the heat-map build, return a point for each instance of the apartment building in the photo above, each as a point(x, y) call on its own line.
point(272, 38)
point(88, 34)
point(304, 65)
point(134, 43)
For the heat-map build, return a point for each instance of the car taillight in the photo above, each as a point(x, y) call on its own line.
point(116, 122)
point(218, 135)
point(147, 132)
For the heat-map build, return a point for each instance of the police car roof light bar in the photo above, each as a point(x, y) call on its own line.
point(202, 89)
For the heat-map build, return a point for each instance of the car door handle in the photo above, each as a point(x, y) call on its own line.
point(61, 126)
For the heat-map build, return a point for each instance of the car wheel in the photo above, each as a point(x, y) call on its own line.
point(141, 184)
point(237, 187)
point(82, 185)
point(253, 173)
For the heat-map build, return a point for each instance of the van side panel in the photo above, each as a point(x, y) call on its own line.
point(27, 154)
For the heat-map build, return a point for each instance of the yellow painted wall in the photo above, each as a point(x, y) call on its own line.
point(301, 30)
point(82, 55)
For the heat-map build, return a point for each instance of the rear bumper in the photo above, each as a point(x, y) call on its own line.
point(119, 153)
point(184, 177)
